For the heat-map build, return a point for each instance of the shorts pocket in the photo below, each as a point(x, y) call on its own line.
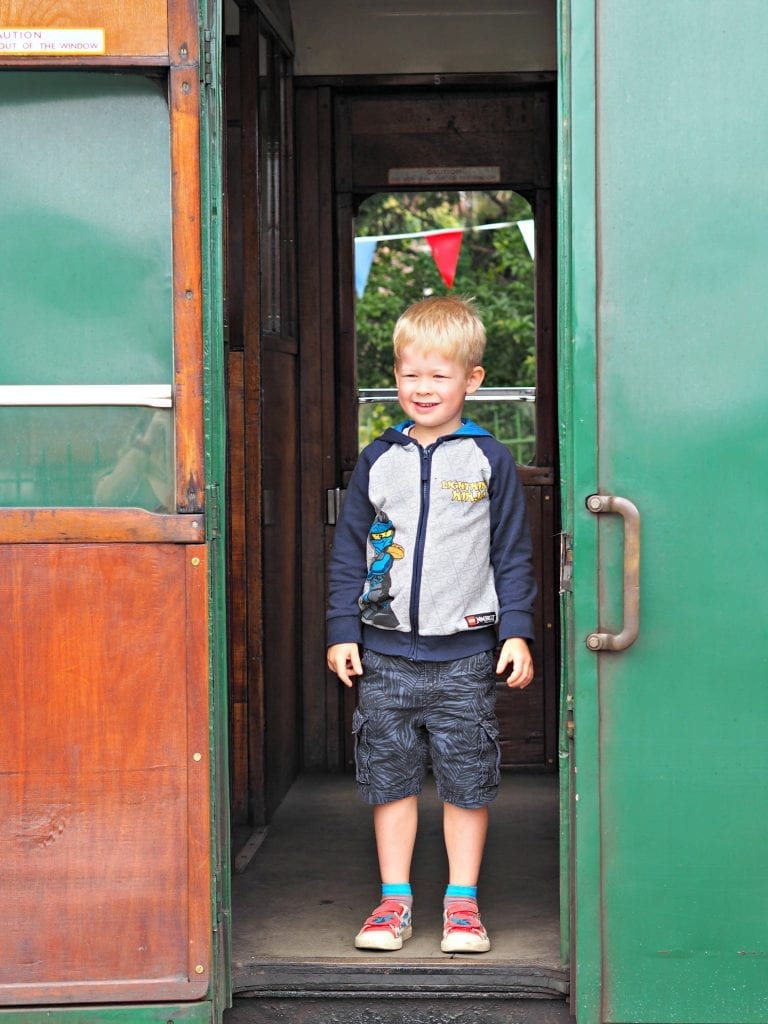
point(362, 747)
point(490, 753)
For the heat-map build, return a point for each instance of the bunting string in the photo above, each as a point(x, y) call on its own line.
point(444, 244)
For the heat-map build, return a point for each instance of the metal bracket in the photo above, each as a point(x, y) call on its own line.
point(334, 499)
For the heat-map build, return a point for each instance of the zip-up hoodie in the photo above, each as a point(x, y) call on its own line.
point(432, 553)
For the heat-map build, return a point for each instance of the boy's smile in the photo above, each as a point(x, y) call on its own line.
point(431, 389)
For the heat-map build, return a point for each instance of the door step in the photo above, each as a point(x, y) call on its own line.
point(427, 992)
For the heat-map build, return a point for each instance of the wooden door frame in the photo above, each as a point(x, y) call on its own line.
point(325, 328)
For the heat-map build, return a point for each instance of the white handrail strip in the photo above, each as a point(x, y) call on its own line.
point(155, 396)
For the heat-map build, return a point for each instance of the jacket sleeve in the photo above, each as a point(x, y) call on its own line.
point(511, 547)
point(348, 563)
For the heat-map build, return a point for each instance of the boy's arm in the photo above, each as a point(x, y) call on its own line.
point(515, 655)
point(344, 661)
point(511, 549)
point(348, 566)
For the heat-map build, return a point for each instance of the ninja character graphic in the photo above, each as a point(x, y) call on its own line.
point(376, 601)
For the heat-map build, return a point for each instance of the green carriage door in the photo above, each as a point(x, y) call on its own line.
point(671, 756)
point(105, 761)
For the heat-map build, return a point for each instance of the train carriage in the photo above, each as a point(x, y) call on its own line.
point(188, 267)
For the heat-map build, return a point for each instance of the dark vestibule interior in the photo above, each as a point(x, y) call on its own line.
point(378, 125)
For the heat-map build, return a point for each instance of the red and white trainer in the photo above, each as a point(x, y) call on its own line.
point(387, 928)
point(463, 931)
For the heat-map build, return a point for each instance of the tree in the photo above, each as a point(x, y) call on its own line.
point(494, 267)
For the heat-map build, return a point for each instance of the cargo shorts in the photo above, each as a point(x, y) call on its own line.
point(411, 712)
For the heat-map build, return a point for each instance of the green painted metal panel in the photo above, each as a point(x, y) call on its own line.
point(216, 468)
point(675, 805)
point(578, 452)
point(85, 218)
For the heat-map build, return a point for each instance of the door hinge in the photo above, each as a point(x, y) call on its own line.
point(566, 564)
point(569, 727)
point(205, 64)
point(334, 499)
point(213, 512)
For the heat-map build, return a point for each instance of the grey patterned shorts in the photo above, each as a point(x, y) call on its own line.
point(409, 712)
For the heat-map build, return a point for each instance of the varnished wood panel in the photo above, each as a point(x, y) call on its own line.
point(104, 766)
point(528, 718)
point(237, 606)
point(187, 286)
point(104, 525)
point(437, 131)
point(136, 28)
point(281, 548)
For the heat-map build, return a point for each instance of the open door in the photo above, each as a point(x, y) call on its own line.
point(108, 552)
point(669, 417)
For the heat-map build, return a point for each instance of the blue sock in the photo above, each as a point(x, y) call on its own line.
point(459, 892)
point(400, 891)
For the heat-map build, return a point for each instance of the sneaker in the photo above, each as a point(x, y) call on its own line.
point(387, 928)
point(463, 930)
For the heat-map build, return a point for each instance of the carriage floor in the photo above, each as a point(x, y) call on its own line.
point(301, 897)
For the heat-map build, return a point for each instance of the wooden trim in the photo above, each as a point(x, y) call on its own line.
point(252, 383)
point(183, 32)
point(184, 97)
point(237, 604)
point(198, 760)
point(89, 63)
point(98, 526)
point(184, 89)
point(503, 79)
point(318, 443)
point(276, 15)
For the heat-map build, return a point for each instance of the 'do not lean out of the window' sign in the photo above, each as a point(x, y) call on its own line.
point(56, 42)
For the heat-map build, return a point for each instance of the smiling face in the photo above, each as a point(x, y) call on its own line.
point(431, 389)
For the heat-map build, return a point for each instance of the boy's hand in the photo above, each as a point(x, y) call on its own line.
point(344, 661)
point(516, 655)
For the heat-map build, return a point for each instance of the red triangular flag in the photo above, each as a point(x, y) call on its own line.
point(445, 248)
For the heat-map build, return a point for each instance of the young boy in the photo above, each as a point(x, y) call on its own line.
point(431, 568)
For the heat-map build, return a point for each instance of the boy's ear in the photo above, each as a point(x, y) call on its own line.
point(475, 378)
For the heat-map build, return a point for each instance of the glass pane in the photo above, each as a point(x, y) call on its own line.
point(85, 222)
point(513, 423)
point(91, 456)
point(495, 265)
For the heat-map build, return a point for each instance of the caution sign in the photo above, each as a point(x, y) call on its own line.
point(51, 42)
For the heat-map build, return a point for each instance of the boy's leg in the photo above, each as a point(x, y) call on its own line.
point(465, 831)
point(395, 826)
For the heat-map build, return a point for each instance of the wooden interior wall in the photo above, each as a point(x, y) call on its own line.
point(237, 534)
point(505, 128)
point(263, 456)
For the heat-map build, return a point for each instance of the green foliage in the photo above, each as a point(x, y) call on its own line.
point(494, 267)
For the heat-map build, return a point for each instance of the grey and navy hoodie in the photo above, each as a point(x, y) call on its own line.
point(432, 553)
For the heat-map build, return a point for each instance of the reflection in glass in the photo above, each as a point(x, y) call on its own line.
point(95, 456)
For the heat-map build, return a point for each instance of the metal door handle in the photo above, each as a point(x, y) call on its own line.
point(623, 507)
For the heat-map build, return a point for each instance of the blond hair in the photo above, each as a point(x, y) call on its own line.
point(443, 323)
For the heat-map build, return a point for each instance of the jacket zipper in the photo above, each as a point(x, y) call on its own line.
point(425, 457)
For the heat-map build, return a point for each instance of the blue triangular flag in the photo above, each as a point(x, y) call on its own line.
point(365, 249)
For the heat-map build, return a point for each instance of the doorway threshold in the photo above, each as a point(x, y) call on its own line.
point(305, 891)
